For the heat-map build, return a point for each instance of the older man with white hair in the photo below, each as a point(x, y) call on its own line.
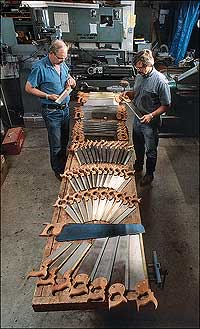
point(48, 79)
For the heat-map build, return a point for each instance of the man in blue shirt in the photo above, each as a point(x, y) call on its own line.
point(49, 77)
point(151, 95)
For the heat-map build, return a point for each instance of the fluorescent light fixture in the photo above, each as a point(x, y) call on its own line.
point(44, 4)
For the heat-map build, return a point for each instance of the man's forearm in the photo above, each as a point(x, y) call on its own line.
point(34, 91)
point(38, 93)
point(162, 109)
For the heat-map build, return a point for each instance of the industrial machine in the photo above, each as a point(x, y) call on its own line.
point(101, 38)
point(182, 119)
point(101, 35)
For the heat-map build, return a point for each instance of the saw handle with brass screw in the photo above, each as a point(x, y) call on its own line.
point(142, 295)
point(79, 286)
point(66, 284)
point(43, 272)
point(97, 289)
point(116, 295)
point(51, 229)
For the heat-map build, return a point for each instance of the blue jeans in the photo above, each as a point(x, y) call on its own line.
point(145, 139)
point(57, 124)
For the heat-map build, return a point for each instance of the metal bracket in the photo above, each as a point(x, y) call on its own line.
point(155, 271)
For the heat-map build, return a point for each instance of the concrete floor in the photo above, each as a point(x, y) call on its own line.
point(169, 213)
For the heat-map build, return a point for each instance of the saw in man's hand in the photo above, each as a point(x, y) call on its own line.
point(62, 96)
point(133, 108)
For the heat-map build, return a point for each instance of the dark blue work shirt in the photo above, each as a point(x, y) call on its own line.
point(45, 77)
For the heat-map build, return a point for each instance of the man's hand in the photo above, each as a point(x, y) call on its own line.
point(146, 118)
point(119, 98)
point(53, 97)
point(70, 83)
point(129, 95)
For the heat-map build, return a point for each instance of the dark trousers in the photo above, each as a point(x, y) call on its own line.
point(145, 139)
point(57, 124)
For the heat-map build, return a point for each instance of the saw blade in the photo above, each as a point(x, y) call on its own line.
point(73, 232)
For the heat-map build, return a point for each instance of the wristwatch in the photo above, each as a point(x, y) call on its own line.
point(151, 115)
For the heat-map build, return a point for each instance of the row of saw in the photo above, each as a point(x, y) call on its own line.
point(97, 255)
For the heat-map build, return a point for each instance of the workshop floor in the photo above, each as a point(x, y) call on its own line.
point(169, 211)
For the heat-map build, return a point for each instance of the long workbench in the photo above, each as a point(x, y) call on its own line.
point(128, 266)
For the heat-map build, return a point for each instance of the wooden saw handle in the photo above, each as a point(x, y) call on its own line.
point(64, 285)
point(79, 286)
point(97, 289)
point(52, 230)
point(116, 295)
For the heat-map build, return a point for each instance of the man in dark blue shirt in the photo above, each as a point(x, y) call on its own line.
point(49, 77)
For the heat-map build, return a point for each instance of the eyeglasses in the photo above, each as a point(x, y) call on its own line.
point(60, 58)
point(140, 67)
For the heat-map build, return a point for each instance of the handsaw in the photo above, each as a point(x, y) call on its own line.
point(62, 96)
point(71, 232)
point(133, 108)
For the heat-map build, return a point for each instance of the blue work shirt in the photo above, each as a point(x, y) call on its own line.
point(45, 77)
point(151, 91)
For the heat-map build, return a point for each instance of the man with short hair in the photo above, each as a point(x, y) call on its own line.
point(49, 77)
point(152, 97)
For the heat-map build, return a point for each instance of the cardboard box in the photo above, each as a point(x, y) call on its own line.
point(13, 141)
